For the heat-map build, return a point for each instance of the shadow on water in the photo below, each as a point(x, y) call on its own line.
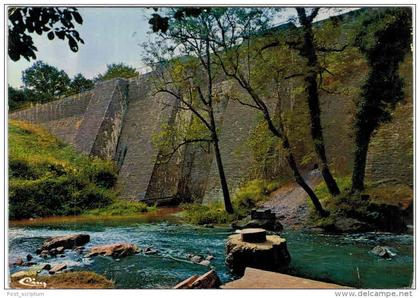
point(340, 259)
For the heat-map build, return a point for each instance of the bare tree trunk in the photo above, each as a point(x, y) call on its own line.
point(223, 182)
point(215, 138)
point(299, 180)
point(359, 164)
point(308, 51)
point(298, 177)
point(279, 132)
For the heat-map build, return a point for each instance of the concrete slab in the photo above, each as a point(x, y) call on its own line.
point(260, 279)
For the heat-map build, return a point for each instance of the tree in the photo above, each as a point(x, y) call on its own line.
point(161, 23)
point(233, 32)
point(308, 49)
point(16, 98)
point(45, 81)
point(79, 84)
point(53, 21)
point(119, 70)
point(181, 78)
point(385, 41)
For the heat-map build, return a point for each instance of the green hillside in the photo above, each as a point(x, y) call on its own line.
point(47, 177)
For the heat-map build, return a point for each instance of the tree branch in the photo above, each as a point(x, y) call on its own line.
point(169, 156)
point(248, 104)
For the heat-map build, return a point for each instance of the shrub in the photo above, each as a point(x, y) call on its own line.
point(21, 169)
point(206, 214)
point(103, 174)
point(121, 208)
point(245, 198)
point(362, 206)
point(47, 177)
point(252, 193)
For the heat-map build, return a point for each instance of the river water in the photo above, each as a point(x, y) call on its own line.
point(343, 259)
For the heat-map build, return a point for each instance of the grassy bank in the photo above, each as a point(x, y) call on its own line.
point(250, 195)
point(47, 177)
point(121, 208)
point(68, 280)
point(383, 205)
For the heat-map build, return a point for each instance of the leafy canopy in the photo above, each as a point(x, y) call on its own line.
point(119, 70)
point(54, 21)
point(79, 84)
point(46, 81)
point(384, 41)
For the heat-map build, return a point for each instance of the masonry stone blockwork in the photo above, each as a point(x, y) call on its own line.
point(119, 118)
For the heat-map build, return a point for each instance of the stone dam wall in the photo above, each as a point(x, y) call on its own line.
point(119, 118)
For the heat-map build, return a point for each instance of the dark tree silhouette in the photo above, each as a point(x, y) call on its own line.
point(385, 41)
point(161, 23)
point(307, 49)
point(53, 21)
point(79, 84)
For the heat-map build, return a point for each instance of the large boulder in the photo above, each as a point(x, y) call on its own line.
point(116, 250)
point(349, 225)
point(260, 218)
point(271, 254)
point(67, 242)
point(209, 280)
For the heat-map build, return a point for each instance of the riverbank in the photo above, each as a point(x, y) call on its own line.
point(155, 215)
point(339, 259)
point(66, 280)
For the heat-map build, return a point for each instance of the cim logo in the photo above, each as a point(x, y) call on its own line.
point(31, 282)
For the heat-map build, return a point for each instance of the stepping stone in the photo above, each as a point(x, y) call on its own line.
point(253, 235)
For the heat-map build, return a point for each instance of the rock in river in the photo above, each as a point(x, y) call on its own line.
point(57, 268)
point(383, 252)
point(116, 250)
point(205, 263)
point(150, 251)
point(196, 259)
point(19, 262)
point(68, 241)
point(268, 254)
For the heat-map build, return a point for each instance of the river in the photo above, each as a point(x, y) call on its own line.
point(342, 259)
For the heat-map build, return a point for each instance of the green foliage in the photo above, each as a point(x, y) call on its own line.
point(385, 41)
point(115, 70)
point(20, 98)
point(54, 21)
point(206, 214)
point(359, 205)
point(121, 208)
point(45, 81)
point(47, 177)
point(250, 195)
point(266, 149)
point(79, 84)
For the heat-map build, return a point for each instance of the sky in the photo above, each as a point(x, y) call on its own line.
point(111, 35)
